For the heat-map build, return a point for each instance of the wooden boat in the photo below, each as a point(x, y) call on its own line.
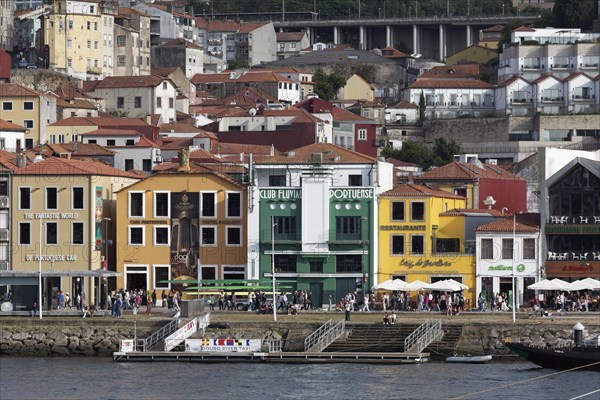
point(469, 359)
point(562, 358)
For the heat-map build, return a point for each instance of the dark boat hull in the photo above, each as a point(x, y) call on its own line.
point(585, 357)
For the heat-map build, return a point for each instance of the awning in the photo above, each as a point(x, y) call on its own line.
point(54, 273)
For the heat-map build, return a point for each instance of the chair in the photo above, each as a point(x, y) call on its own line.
point(583, 256)
point(564, 219)
point(554, 219)
point(552, 255)
point(596, 255)
point(576, 256)
point(596, 219)
point(563, 256)
point(583, 220)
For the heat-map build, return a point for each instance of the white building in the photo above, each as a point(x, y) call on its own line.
point(12, 136)
point(133, 151)
point(499, 257)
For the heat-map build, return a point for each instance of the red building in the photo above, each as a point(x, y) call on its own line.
point(4, 66)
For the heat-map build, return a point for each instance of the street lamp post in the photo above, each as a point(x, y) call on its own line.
point(105, 264)
point(40, 272)
point(513, 267)
point(273, 224)
point(363, 243)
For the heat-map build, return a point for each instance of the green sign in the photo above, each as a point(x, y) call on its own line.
point(573, 229)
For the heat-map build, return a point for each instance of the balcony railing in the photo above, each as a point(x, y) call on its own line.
point(552, 99)
point(520, 101)
point(580, 97)
point(575, 256)
point(574, 219)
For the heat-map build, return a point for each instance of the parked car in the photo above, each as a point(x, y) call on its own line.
point(31, 66)
point(22, 63)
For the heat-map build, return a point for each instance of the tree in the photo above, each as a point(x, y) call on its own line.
point(444, 151)
point(413, 152)
point(422, 106)
point(327, 86)
point(575, 13)
point(505, 32)
point(238, 64)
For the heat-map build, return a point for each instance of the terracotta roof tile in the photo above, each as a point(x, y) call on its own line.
point(14, 90)
point(247, 27)
point(290, 36)
point(180, 42)
point(403, 104)
point(262, 76)
point(332, 154)
point(222, 26)
point(178, 128)
point(116, 82)
point(195, 168)
point(472, 212)
point(75, 149)
point(112, 132)
point(465, 71)
point(315, 105)
point(75, 103)
point(506, 225)
point(65, 166)
point(461, 171)
point(495, 28)
point(210, 78)
point(239, 148)
point(523, 28)
point(414, 190)
point(390, 52)
point(450, 84)
point(9, 126)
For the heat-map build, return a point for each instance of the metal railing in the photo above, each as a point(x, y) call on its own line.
point(204, 322)
point(428, 332)
point(324, 335)
point(275, 345)
point(146, 343)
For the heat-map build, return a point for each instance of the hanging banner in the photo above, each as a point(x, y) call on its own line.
point(184, 235)
point(98, 217)
point(223, 345)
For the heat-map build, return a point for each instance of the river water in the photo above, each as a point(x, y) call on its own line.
point(101, 378)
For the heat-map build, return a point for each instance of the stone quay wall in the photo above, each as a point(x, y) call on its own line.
point(101, 337)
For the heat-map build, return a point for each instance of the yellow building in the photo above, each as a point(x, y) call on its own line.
point(182, 217)
point(420, 238)
point(61, 213)
point(472, 55)
point(357, 88)
point(79, 36)
point(28, 108)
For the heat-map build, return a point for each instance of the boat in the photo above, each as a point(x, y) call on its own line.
point(469, 359)
point(561, 358)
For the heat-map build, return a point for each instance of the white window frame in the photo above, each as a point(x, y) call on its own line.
point(227, 205)
point(32, 106)
point(239, 227)
point(28, 123)
point(143, 228)
point(142, 192)
point(19, 197)
point(215, 228)
point(227, 266)
point(168, 285)
point(126, 271)
point(215, 204)
point(46, 198)
point(168, 227)
point(362, 134)
point(19, 241)
point(45, 224)
point(73, 231)
point(168, 192)
point(73, 197)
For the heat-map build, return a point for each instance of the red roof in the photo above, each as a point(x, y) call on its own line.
point(523, 28)
point(403, 104)
point(315, 105)
point(450, 84)
point(178, 128)
point(210, 78)
point(390, 52)
point(112, 132)
point(9, 126)
point(247, 27)
point(14, 90)
point(331, 154)
point(472, 212)
point(66, 166)
point(415, 190)
point(465, 171)
point(506, 225)
point(462, 71)
point(262, 76)
point(180, 42)
point(116, 82)
point(290, 36)
point(495, 28)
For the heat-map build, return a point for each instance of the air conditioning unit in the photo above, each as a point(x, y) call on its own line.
point(4, 234)
point(4, 201)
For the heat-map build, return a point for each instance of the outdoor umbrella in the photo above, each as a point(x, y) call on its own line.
point(396, 284)
point(544, 284)
point(415, 285)
point(584, 284)
point(459, 284)
point(444, 286)
point(562, 285)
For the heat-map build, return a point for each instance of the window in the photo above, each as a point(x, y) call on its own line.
point(348, 263)
point(70, 24)
point(110, 142)
point(507, 249)
point(162, 273)
point(277, 180)
point(96, 48)
point(398, 211)
point(171, 102)
point(28, 123)
point(120, 41)
point(285, 262)
point(89, 44)
point(208, 204)
point(128, 164)
point(417, 242)
point(77, 233)
point(24, 233)
point(121, 61)
point(120, 102)
point(234, 236)
point(51, 198)
point(7, 106)
point(347, 228)
point(316, 266)
point(77, 198)
point(136, 235)
point(162, 204)
point(234, 204)
point(89, 25)
point(447, 245)
point(137, 102)
point(417, 211)
point(51, 233)
point(24, 198)
point(354, 180)
point(487, 249)
point(285, 228)
point(159, 102)
point(529, 249)
point(161, 236)
point(147, 165)
point(209, 235)
point(28, 105)
point(362, 134)
point(136, 204)
point(69, 44)
point(130, 142)
point(397, 245)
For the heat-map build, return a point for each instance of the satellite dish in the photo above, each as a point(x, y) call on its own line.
point(252, 111)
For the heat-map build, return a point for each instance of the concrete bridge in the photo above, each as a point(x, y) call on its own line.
point(433, 37)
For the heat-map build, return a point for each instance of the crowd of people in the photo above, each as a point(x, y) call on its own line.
point(130, 299)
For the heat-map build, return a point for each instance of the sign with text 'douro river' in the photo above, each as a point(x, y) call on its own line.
point(223, 345)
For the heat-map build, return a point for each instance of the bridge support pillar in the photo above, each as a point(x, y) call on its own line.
point(361, 37)
point(469, 35)
point(336, 35)
point(389, 40)
point(310, 33)
point(416, 42)
point(442, 50)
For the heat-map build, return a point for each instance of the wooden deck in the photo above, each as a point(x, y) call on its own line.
point(282, 357)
